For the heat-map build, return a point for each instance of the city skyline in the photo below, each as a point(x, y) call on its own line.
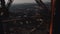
point(26, 1)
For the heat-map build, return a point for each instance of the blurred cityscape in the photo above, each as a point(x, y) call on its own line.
point(27, 19)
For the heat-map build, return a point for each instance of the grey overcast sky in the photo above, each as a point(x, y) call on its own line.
point(27, 1)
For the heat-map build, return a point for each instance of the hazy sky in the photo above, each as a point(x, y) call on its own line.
point(27, 1)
